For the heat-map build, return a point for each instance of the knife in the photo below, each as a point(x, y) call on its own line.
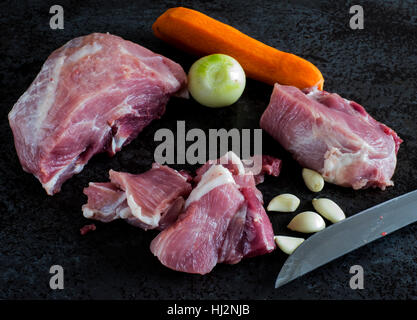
point(348, 235)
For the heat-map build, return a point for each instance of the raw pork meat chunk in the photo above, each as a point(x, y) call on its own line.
point(106, 202)
point(94, 94)
point(223, 221)
point(333, 136)
point(194, 243)
point(149, 200)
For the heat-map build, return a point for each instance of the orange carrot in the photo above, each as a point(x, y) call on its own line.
point(196, 33)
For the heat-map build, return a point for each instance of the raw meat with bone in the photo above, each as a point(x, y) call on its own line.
point(94, 94)
point(224, 221)
point(150, 200)
point(333, 136)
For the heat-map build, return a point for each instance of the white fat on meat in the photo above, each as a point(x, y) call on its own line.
point(137, 212)
point(51, 183)
point(214, 177)
point(84, 51)
point(47, 100)
point(233, 158)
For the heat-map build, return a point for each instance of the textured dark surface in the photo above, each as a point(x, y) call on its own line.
point(375, 67)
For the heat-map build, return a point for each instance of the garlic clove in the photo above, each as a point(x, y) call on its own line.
point(313, 180)
point(307, 222)
point(329, 209)
point(288, 244)
point(285, 202)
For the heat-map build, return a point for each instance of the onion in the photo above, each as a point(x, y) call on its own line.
point(216, 80)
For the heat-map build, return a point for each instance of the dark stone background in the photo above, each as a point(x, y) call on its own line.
point(376, 67)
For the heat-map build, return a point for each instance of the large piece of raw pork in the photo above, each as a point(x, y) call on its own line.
point(333, 136)
point(223, 220)
point(94, 94)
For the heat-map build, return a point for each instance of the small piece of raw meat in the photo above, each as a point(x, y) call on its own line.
point(151, 193)
point(270, 166)
point(193, 244)
point(223, 222)
point(149, 200)
point(106, 202)
point(87, 228)
point(258, 235)
point(94, 94)
point(333, 136)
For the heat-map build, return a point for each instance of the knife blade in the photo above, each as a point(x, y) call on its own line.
point(348, 235)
